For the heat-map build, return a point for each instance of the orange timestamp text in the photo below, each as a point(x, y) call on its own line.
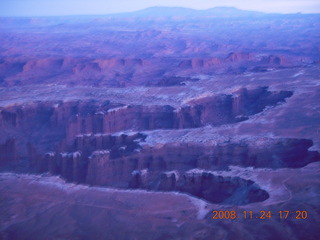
point(259, 215)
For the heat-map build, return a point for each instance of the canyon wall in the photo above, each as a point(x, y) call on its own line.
point(121, 72)
point(47, 126)
point(122, 162)
point(82, 142)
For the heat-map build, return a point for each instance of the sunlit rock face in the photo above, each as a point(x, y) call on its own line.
point(141, 125)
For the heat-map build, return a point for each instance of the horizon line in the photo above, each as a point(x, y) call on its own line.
point(168, 7)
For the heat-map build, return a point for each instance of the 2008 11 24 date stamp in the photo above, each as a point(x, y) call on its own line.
point(259, 215)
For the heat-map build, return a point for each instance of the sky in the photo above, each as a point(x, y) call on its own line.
point(80, 7)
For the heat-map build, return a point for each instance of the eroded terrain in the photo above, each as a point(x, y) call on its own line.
point(159, 121)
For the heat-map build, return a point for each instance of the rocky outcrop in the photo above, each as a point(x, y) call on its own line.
point(121, 72)
point(72, 163)
point(77, 141)
point(43, 65)
point(124, 118)
point(180, 167)
point(238, 58)
point(121, 161)
point(124, 164)
point(214, 110)
point(61, 122)
point(105, 168)
point(213, 188)
point(222, 109)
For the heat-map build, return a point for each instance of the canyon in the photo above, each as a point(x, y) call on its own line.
point(160, 119)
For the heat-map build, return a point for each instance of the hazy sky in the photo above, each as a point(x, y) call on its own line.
point(72, 7)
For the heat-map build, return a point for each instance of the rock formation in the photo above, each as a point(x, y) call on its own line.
point(166, 123)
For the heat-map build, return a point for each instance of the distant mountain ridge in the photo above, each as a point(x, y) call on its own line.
point(189, 12)
point(164, 13)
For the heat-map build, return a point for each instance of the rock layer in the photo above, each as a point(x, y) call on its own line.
point(61, 122)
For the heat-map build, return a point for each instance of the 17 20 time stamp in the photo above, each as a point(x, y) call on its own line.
point(260, 215)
